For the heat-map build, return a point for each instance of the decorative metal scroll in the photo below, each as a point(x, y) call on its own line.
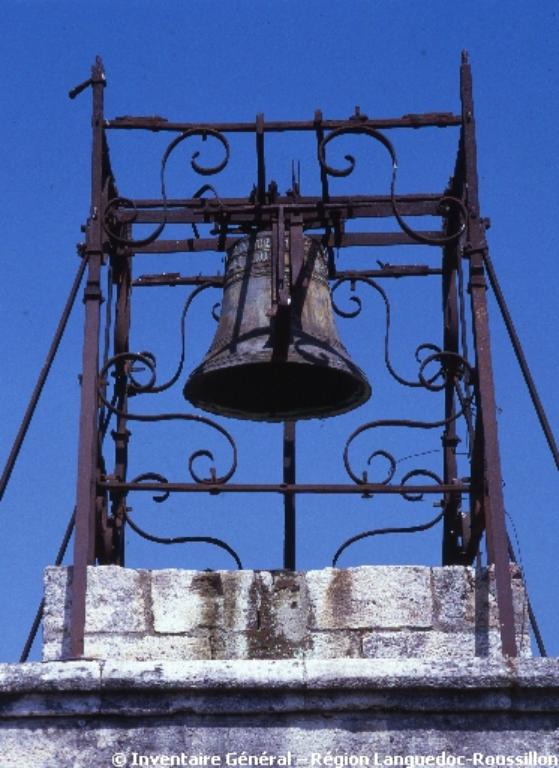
point(447, 202)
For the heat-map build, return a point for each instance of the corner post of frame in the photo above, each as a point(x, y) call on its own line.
point(475, 247)
point(84, 540)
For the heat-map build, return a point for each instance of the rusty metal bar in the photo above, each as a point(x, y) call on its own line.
point(389, 270)
point(43, 375)
point(174, 278)
point(349, 239)
point(324, 182)
point(239, 210)
point(121, 434)
point(363, 489)
point(260, 159)
point(476, 246)
point(521, 359)
point(289, 474)
point(84, 540)
point(452, 527)
point(157, 123)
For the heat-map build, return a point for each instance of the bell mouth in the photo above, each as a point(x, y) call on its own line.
point(278, 391)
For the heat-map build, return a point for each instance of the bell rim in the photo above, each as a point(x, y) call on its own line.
point(350, 372)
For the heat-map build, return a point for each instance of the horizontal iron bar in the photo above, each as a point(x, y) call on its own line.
point(396, 270)
point(330, 488)
point(198, 210)
point(157, 123)
point(197, 245)
point(174, 278)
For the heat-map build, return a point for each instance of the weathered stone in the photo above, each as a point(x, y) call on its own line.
point(56, 613)
point(290, 607)
point(453, 598)
point(487, 613)
point(367, 611)
point(436, 645)
point(55, 676)
point(405, 644)
point(146, 647)
point(334, 645)
point(518, 675)
point(184, 600)
point(115, 600)
point(373, 597)
point(343, 707)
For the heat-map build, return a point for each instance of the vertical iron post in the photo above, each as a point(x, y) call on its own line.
point(476, 245)
point(121, 434)
point(289, 498)
point(451, 554)
point(261, 165)
point(84, 540)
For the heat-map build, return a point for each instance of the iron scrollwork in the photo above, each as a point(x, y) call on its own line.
point(462, 367)
point(380, 423)
point(124, 363)
point(212, 540)
point(385, 531)
point(446, 203)
point(111, 226)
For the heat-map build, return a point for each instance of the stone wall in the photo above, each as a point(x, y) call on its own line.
point(96, 714)
point(358, 667)
point(364, 612)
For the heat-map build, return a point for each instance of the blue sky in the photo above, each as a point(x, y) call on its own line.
point(229, 61)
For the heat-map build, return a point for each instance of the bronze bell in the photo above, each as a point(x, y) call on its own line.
point(270, 362)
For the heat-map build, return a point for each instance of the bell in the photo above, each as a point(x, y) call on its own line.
point(274, 362)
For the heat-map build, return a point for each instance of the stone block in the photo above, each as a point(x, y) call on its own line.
point(56, 614)
point(115, 603)
point(453, 598)
point(116, 600)
point(424, 645)
point(146, 647)
point(289, 606)
point(334, 645)
point(370, 597)
point(184, 600)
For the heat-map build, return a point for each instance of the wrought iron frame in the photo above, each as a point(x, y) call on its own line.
point(101, 514)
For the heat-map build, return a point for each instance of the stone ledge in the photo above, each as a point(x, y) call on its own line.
point(83, 713)
point(284, 674)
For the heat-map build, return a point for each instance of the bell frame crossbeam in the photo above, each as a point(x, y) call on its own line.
point(100, 515)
